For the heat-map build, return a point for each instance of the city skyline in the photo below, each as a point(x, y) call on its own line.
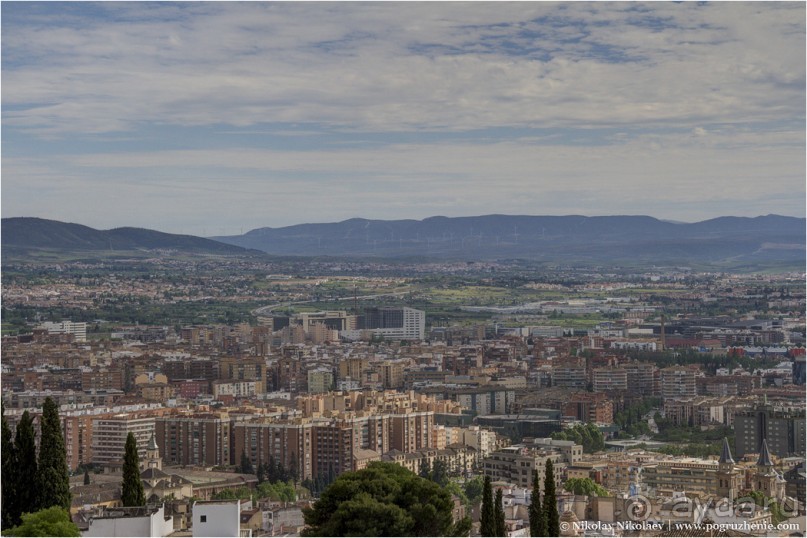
point(216, 118)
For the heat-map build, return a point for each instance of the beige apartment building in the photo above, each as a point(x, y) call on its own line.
point(515, 465)
point(109, 436)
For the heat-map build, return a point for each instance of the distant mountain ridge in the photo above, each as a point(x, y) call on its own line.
point(547, 238)
point(740, 242)
point(25, 233)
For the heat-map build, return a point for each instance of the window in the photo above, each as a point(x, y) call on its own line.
point(203, 519)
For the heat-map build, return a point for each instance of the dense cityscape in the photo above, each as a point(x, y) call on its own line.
point(475, 269)
point(654, 396)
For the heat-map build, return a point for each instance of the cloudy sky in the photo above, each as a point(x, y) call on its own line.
point(216, 118)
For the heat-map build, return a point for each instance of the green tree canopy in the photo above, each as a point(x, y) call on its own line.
point(383, 499)
point(132, 493)
point(277, 491)
point(439, 472)
point(473, 489)
point(584, 486)
point(53, 521)
point(588, 435)
point(231, 494)
point(53, 475)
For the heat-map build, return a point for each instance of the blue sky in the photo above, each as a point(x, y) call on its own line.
point(213, 118)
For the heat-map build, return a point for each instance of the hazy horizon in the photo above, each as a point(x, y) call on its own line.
point(217, 118)
point(212, 234)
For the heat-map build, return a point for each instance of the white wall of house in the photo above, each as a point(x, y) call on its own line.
point(154, 525)
point(217, 518)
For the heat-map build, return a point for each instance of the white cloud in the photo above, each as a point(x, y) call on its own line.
point(393, 66)
point(680, 110)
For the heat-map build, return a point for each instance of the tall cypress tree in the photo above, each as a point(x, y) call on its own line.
point(9, 477)
point(246, 464)
point(25, 444)
point(501, 526)
point(294, 469)
point(282, 475)
point(537, 521)
point(271, 469)
point(53, 476)
point(132, 493)
point(487, 518)
point(551, 514)
point(425, 470)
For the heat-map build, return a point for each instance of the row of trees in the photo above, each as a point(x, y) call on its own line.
point(277, 491)
point(34, 482)
point(31, 483)
point(272, 471)
point(544, 516)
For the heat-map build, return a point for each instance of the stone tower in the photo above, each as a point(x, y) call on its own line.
point(729, 481)
point(152, 459)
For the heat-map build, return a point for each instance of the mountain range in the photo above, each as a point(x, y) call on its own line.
point(733, 241)
point(570, 238)
point(22, 235)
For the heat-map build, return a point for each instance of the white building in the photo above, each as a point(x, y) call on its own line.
point(131, 521)
point(219, 518)
point(484, 441)
point(390, 323)
point(237, 389)
point(78, 330)
point(109, 436)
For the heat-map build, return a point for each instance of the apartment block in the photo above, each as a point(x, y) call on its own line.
point(237, 389)
point(697, 411)
point(594, 407)
point(782, 427)
point(411, 431)
point(515, 465)
point(77, 431)
point(571, 376)
point(681, 474)
point(678, 382)
point(201, 439)
point(290, 443)
point(109, 436)
point(643, 378)
point(320, 380)
point(392, 374)
point(608, 379)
